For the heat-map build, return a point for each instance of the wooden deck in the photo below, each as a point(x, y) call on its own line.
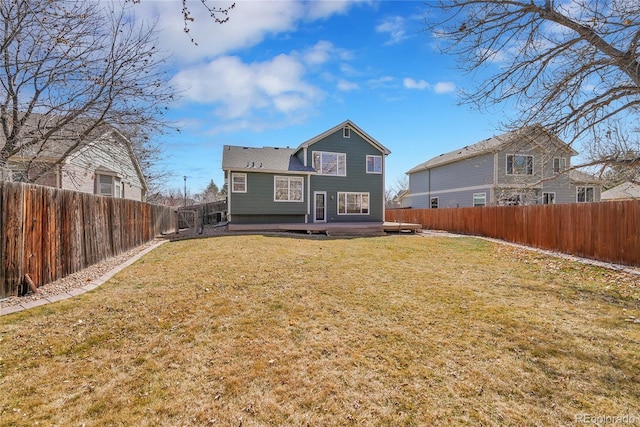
point(331, 229)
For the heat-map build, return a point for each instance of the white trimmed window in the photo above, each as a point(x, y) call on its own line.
point(239, 182)
point(326, 163)
point(288, 189)
point(374, 164)
point(549, 198)
point(585, 194)
point(353, 203)
point(479, 199)
point(434, 202)
point(559, 164)
point(109, 185)
point(346, 132)
point(518, 164)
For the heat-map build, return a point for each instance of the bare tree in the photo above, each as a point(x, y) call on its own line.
point(572, 66)
point(219, 14)
point(67, 70)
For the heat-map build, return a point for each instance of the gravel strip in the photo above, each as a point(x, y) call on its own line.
point(78, 279)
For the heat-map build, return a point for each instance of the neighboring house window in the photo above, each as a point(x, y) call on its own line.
point(330, 163)
point(288, 189)
point(346, 132)
point(19, 176)
point(434, 203)
point(108, 185)
point(549, 198)
point(374, 164)
point(585, 194)
point(353, 203)
point(239, 182)
point(518, 164)
point(479, 199)
point(559, 164)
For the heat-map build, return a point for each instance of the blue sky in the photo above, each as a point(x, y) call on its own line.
point(281, 72)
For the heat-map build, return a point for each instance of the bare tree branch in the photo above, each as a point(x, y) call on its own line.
point(572, 66)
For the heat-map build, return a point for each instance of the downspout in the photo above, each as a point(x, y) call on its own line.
point(306, 216)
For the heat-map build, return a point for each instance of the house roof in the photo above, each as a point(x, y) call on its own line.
point(626, 190)
point(580, 177)
point(352, 126)
point(265, 159)
point(491, 145)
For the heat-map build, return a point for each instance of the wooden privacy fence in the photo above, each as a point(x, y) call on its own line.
point(606, 231)
point(48, 233)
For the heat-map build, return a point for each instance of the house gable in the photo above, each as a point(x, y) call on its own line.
point(110, 154)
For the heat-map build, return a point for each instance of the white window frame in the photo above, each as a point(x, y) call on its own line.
point(289, 180)
point(553, 198)
point(513, 169)
point(359, 198)
point(319, 158)
point(115, 185)
point(243, 181)
point(562, 164)
point(437, 204)
point(346, 132)
point(478, 196)
point(376, 164)
point(586, 189)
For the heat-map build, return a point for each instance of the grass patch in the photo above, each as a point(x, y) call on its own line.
point(281, 330)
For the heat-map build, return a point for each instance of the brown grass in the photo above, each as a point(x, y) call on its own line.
point(281, 330)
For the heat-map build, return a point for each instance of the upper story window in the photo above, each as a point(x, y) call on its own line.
point(288, 189)
point(374, 164)
point(239, 182)
point(330, 163)
point(109, 185)
point(518, 164)
point(559, 164)
point(346, 132)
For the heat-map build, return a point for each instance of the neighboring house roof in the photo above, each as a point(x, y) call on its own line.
point(353, 127)
point(492, 145)
point(265, 159)
point(580, 177)
point(624, 191)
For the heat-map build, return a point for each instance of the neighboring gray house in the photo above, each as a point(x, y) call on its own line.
point(337, 176)
point(103, 162)
point(624, 191)
point(105, 165)
point(528, 166)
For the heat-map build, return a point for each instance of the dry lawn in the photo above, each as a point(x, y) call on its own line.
point(286, 330)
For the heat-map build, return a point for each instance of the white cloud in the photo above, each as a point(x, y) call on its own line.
point(250, 22)
point(439, 88)
point(238, 89)
point(444, 87)
point(325, 51)
point(410, 83)
point(395, 27)
point(347, 86)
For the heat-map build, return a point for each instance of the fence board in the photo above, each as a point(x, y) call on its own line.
point(49, 233)
point(606, 231)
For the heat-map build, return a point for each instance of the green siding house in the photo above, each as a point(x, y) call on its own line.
point(337, 176)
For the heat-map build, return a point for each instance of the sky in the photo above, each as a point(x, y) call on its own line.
point(281, 72)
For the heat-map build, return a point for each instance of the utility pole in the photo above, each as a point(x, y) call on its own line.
point(185, 191)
